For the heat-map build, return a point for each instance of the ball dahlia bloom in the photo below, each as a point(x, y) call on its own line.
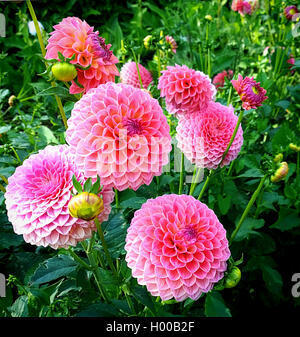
point(177, 247)
point(73, 36)
point(250, 92)
point(185, 90)
point(37, 197)
point(219, 79)
point(129, 75)
point(290, 11)
point(203, 138)
point(120, 133)
point(172, 43)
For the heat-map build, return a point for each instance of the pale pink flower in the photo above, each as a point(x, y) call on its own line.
point(173, 45)
point(177, 247)
point(120, 133)
point(129, 75)
point(250, 92)
point(73, 36)
point(290, 11)
point(219, 79)
point(185, 90)
point(203, 138)
point(37, 197)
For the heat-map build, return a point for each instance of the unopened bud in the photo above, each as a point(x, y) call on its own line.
point(208, 17)
point(86, 206)
point(278, 158)
point(281, 172)
point(233, 278)
point(11, 100)
point(147, 41)
point(294, 147)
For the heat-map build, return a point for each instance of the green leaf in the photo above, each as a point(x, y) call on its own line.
point(77, 184)
point(4, 129)
point(96, 186)
point(20, 307)
point(46, 135)
point(87, 185)
point(224, 203)
point(215, 306)
point(53, 269)
point(134, 203)
point(273, 280)
point(287, 220)
point(143, 296)
point(248, 227)
point(283, 104)
point(251, 173)
point(99, 310)
point(59, 91)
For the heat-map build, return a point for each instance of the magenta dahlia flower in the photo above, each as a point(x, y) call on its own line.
point(185, 90)
point(219, 79)
point(73, 36)
point(120, 133)
point(177, 247)
point(250, 92)
point(129, 75)
point(172, 43)
point(37, 197)
point(290, 11)
point(291, 61)
point(203, 138)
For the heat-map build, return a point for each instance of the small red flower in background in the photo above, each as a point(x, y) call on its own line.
point(244, 7)
point(290, 11)
point(219, 79)
point(170, 40)
point(291, 61)
point(250, 92)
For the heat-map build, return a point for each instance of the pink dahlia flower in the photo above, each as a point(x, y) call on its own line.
point(250, 92)
point(37, 198)
point(245, 7)
point(203, 138)
point(73, 36)
point(219, 79)
point(291, 61)
point(129, 75)
point(290, 11)
point(173, 45)
point(185, 90)
point(177, 247)
point(120, 133)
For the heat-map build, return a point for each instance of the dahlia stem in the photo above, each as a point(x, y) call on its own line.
point(230, 168)
point(181, 174)
point(298, 166)
point(211, 172)
point(4, 179)
point(104, 245)
point(78, 259)
point(2, 188)
point(233, 135)
point(40, 39)
point(137, 68)
point(194, 182)
point(247, 209)
point(117, 198)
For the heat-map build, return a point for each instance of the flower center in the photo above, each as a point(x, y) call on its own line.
point(133, 126)
point(292, 11)
point(99, 47)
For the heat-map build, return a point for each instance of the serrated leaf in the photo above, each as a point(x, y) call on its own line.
point(215, 306)
point(251, 173)
point(287, 220)
point(20, 307)
point(53, 269)
point(224, 203)
point(134, 203)
point(143, 296)
point(46, 135)
point(248, 227)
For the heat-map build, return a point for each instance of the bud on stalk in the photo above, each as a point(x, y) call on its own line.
point(86, 206)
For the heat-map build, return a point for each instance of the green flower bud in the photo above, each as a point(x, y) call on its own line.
point(86, 206)
point(233, 278)
point(147, 41)
point(294, 147)
point(64, 71)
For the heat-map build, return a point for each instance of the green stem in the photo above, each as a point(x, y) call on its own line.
point(137, 68)
point(230, 168)
point(2, 188)
point(247, 209)
point(4, 179)
point(181, 174)
point(211, 172)
point(104, 245)
point(117, 198)
point(194, 183)
point(158, 62)
point(229, 95)
point(78, 259)
point(40, 39)
point(16, 154)
point(233, 135)
point(298, 167)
